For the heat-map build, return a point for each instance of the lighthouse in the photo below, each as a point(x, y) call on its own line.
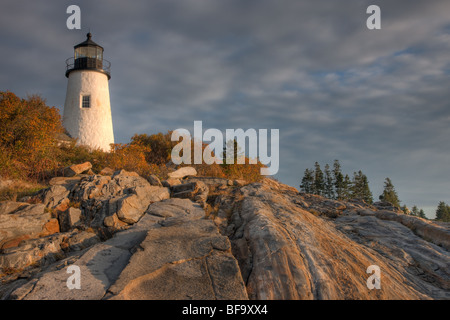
point(87, 110)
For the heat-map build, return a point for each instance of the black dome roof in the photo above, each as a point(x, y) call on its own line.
point(88, 42)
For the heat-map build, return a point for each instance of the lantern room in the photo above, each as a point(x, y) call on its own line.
point(88, 55)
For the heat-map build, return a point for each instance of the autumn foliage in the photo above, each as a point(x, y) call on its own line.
point(131, 157)
point(29, 147)
point(161, 147)
point(27, 135)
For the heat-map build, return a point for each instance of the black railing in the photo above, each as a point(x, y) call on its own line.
point(88, 64)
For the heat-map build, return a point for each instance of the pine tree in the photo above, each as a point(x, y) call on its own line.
point(338, 180)
point(334, 185)
point(366, 193)
point(319, 183)
point(443, 212)
point(347, 187)
point(415, 211)
point(360, 187)
point(328, 185)
point(389, 194)
point(307, 184)
point(422, 214)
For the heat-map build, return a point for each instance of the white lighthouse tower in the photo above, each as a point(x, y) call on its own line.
point(87, 110)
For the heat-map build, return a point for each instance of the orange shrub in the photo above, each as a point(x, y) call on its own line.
point(130, 157)
point(159, 144)
point(27, 135)
point(71, 153)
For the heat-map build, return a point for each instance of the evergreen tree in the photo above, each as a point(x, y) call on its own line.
point(334, 185)
point(307, 184)
point(443, 212)
point(338, 180)
point(328, 186)
point(319, 183)
point(346, 188)
point(415, 211)
point(389, 194)
point(360, 187)
point(365, 190)
point(422, 214)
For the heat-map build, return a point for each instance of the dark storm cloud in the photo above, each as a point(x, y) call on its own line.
point(376, 100)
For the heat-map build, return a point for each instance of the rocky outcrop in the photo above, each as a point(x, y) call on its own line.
point(20, 221)
point(41, 252)
point(287, 252)
point(197, 191)
point(436, 233)
point(183, 258)
point(174, 255)
point(210, 238)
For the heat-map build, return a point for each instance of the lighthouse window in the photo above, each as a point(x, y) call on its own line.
point(86, 102)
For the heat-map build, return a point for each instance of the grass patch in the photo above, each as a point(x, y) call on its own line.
point(19, 189)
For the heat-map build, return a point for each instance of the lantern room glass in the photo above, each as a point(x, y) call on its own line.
point(89, 52)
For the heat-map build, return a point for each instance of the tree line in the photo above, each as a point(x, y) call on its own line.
point(332, 183)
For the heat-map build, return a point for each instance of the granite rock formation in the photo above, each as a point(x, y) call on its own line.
point(210, 238)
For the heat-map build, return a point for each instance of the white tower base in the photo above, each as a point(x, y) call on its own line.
point(90, 122)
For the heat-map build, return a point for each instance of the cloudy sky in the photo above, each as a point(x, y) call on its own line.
point(377, 100)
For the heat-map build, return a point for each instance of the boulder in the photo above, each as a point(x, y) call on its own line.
point(125, 173)
point(55, 195)
point(239, 182)
point(183, 172)
point(170, 182)
point(196, 191)
point(130, 209)
point(75, 169)
point(152, 194)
